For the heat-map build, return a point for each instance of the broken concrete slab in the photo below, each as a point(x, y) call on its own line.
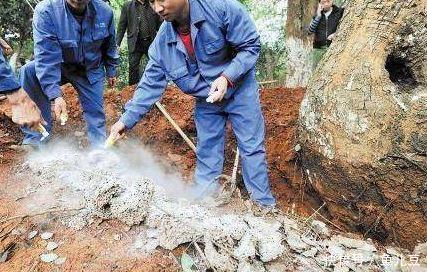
point(353, 243)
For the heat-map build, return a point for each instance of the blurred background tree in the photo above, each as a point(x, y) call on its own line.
point(15, 24)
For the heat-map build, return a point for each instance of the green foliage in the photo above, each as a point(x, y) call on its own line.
point(15, 21)
point(269, 17)
point(123, 68)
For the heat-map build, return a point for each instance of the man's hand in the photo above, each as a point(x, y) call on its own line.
point(331, 37)
point(6, 47)
point(218, 90)
point(8, 50)
point(24, 111)
point(319, 10)
point(117, 131)
point(112, 82)
point(59, 108)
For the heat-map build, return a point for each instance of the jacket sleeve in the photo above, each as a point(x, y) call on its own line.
point(123, 24)
point(8, 82)
point(47, 54)
point(314, 24)
point(110, 54)
point(149, 90)
point(241, 33)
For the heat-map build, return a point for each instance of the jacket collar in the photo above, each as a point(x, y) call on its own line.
point(335, 9)
point(196, 17)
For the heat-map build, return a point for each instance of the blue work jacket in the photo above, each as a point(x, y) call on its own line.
point(225, 41)
point(8, 82)
point(61, 43)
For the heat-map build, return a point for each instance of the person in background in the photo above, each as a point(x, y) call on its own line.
point(141, 23)
point(7, 50)
point(209, 49)
point(324, 26)
point(24, 110)
point(74, 42)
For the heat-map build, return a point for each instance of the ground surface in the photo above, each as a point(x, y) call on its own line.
point(105, 246)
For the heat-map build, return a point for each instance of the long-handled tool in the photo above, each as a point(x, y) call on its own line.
point(227, 185)
point(175, 125)
point(111, 141)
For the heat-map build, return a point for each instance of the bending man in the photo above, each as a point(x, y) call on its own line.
point(74, 42)
point(209, 48)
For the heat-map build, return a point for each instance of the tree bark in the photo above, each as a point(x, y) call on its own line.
point(299, 42)
point(363, 121)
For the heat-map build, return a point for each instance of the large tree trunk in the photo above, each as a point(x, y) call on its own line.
point(363, 121)
point(298, 42)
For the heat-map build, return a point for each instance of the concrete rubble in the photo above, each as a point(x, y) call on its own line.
point(229, 241)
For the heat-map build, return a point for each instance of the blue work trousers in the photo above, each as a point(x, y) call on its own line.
point(244, 112)
point(90, 96)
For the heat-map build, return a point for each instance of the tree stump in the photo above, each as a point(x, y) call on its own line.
point(363, 121)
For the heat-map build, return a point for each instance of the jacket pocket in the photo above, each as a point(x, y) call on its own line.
point(99, 34)
point(178, 73)
point(214, 46)
point(98, 37)
point(69, 50)
point(180, 77)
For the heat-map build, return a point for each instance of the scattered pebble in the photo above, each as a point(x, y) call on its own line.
point(60, 260)
point(48, 258)
point(18, 231)
point(32, 234)
point(117, 237)
point(51, 246)
point(46, 235)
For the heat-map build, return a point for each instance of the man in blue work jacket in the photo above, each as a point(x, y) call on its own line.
point(24, 110)
point(209, 49)
point(74, 42)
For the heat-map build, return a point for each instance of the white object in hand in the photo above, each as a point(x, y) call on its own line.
point(109, 142)
point(63, 118)
point(209, 99)
point(43, 132)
